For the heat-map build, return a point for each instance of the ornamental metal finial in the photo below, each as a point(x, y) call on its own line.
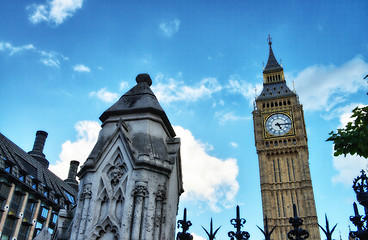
point(327, 231)
point(184, 224)
point(357, 220)
point(360, 186)
point(266, 232)
point(297, 233)
point(269, 39)
point(238, 223)
point(211, 234)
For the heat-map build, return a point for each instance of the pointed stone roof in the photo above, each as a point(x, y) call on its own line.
point(272, 64)
point(139, 99)
point(275, 90)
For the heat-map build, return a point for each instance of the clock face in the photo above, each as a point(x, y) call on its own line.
point(278, 124)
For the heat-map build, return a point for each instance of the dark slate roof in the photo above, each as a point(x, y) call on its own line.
point(31, 166)
point(275, 90)
point(139, 99)
point(272, 64)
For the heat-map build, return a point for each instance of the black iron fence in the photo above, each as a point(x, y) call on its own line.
point(296, 233)
point(360, 186)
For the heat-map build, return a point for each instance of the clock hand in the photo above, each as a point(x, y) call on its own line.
point(284, 123)
point(279, 125)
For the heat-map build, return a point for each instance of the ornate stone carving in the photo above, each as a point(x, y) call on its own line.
point(140, 191)
point(86, 191)
point(106, 231)
point(161, 195)
point(115, 173)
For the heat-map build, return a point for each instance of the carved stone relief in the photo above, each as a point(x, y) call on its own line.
point(116, 172)
point(106, 231)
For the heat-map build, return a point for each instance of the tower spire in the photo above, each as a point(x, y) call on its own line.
point(272, 64)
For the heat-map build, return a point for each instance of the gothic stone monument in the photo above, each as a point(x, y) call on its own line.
point(131, 182)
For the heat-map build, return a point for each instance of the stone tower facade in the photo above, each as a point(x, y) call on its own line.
point(281, 143)
point(131, 182)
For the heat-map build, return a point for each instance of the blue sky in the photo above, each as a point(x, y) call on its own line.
point(62, 63)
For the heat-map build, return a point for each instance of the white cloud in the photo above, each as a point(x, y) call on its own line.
point(51, 62)
point(347, 167)
point(170, 28)
point(168, 90)
point(53, 11)
point(81, 68)
point(105, 95)
point(225, 117)
point(51, 59)
point(234, 144)
point(123, 85)
point(206, 178)
point(322, 87)
point(5, 46)
point(87, 133)
point(244, 88)
point(343, 113)
point(196, 237)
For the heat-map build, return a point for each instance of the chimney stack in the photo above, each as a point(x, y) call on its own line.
point(73, 169)
point(37, 151)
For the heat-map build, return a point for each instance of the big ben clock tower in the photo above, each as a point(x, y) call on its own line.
point(281, 143)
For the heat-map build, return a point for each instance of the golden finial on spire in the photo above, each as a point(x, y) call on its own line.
point(269, 40)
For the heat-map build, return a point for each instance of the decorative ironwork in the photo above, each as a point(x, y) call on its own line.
point(297, 233)
point(327, 231)
point(266, 232)
point(184, 224)
point(238, 223)
point(211, 234)
point(360, 186)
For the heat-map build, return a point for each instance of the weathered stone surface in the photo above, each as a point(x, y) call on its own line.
point(131, 182)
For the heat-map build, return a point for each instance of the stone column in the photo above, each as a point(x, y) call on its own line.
point(159, 220)
point(140, 192)
point(77, 217)
point(86, 198)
